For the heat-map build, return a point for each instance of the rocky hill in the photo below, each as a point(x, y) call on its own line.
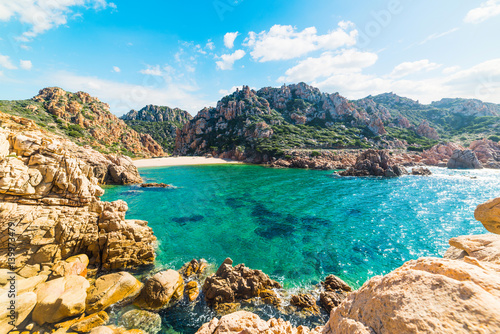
point(85, 120)
point(158, 121)
point(260, 125)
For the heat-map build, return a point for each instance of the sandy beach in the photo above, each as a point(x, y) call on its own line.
point(181, 161)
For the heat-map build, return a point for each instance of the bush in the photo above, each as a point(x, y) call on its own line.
point(315, 154)
point(494, 138)
point(75, 134)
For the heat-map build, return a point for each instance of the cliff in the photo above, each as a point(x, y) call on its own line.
point(85, 120)
point(160, 122)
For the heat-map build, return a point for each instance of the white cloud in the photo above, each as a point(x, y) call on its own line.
point(225, 92)
point(485, 11)
point(6, 63)
point(116, 69)
point(327, 64)
point(436, 35)
point(228, 60)
point(285, 42)
point(43, 15)
point(451, 69)
point(408, 68)
point(123, 97)
point(152, 70)
point(229, 39)
point(210, 45)
point(25, 64)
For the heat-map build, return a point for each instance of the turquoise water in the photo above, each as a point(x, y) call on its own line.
point(299, 226)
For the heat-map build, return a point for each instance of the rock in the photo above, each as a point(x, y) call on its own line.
point(102, 330)
point(23, 284)
point(194, 268)
point(24, 304)
point(305, 302)
point(192, 291)
point(334, 283)
point(247, 322)
point(88, 323)
point(489, 215)
point(139, 319)
point(428, 295)
point(121, 288)
point(487, 151)
point(115, 330)
point(229, 285)
point(374, 163)
point(464, 159)
point(74, 265)
point(485, 247)
point(425, 130)
point(439, 155)
point(161, 290)
point(422, 171)
point(335, 292)
point(60, 298)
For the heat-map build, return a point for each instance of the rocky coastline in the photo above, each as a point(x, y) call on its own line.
point(72, 258)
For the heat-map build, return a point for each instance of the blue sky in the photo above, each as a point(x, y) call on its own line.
point(190, 54)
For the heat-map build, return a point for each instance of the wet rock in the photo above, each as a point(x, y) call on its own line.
point(87, 323)
point(230, 285)
point(148, 322)
point(464, 159)
point(161, 290)
point(192, 291)
point(194, 268)
point(335, 292)
point(110, 289)
point(422, 171)
point(305, 302)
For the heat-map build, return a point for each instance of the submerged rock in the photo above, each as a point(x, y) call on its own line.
point(156, 185)
point(305, 302)
point(464, 159)
point(194, 268)
point(148, 322)
point(230, 285)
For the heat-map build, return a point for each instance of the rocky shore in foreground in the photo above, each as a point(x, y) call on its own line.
point(68, 262)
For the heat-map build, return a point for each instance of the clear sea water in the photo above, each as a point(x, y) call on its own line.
point(299, 226)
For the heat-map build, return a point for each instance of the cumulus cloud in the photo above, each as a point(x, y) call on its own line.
point(43, 15)
point(408, 68)
point(229, 39)
point(116, 69)
point(228, 60)
point(152, 70)
point(123, 97)
point(327, 64)
point(25, 64)
point(485, 11)
point(6, 63)
point(284, 42)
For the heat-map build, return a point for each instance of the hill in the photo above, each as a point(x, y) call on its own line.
point(160, 122)
point(85, 120)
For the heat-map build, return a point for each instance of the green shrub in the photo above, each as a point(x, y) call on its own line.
point(494, 138)
point(75, 134)
point(315, 154)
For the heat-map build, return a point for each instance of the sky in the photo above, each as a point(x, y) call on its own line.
point(189, 54)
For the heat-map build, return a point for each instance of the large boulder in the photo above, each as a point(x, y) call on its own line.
point(74, 265)
point(230, 285)
point(110, 289)
point(161, 290)
point(247, 322)
point(335, 291)
point(464, 159)
point(489, 215)
point(60, 298)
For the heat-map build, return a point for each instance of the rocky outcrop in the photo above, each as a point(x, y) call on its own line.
point(425, 130)
point(162, 290)
point(246, 322)
point(440, 154)
point(421, 171)
point(324, 160)
point(51, 198)
point(234, 284)
point(487, 152)
point(153, 113)
point(489, 215)
point(468, 107)
point(464, 159)
point(305, 302)
point(374, 163)
point(94, 116)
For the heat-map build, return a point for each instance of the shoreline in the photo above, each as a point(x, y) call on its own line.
point(182, 161)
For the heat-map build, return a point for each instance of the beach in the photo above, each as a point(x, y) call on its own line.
point(182, 161)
